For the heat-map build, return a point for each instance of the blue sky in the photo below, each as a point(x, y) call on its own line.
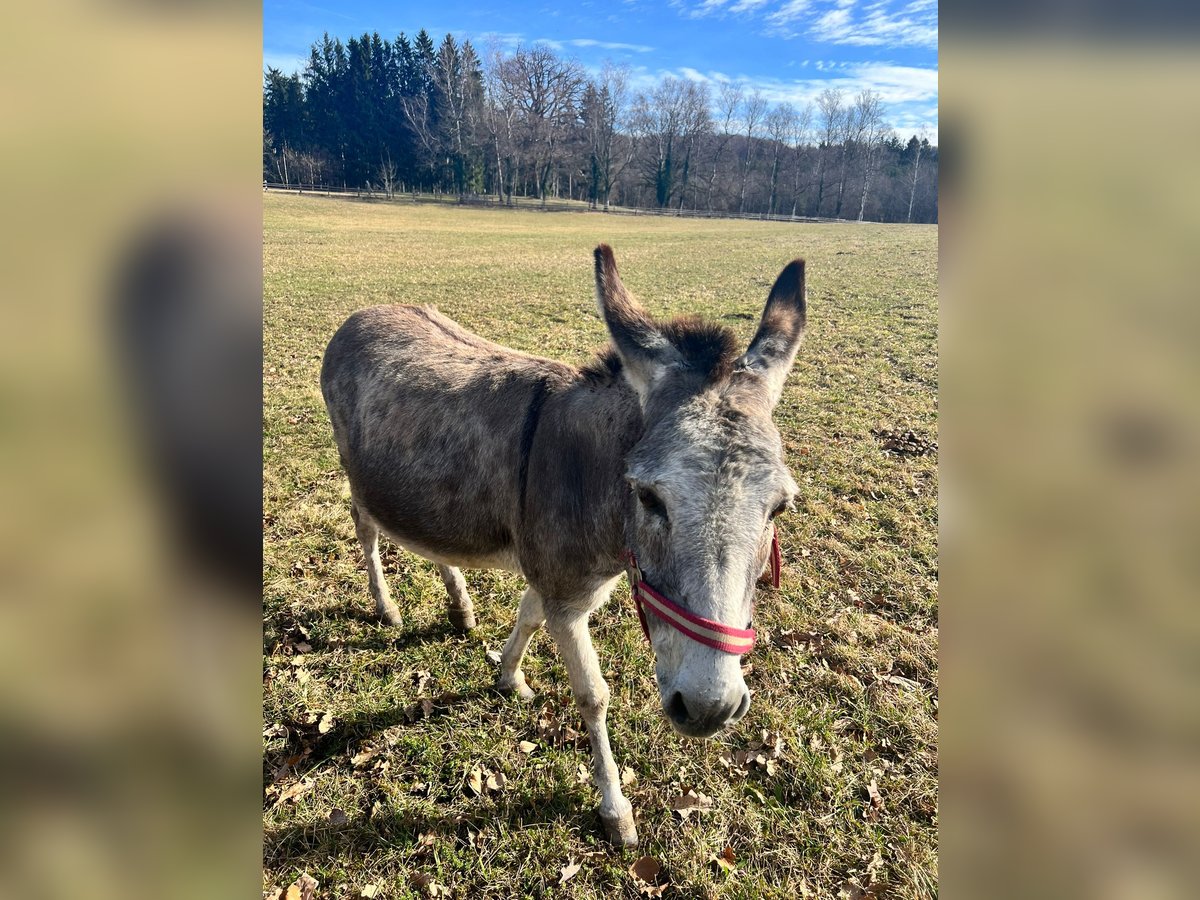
point(789, 49)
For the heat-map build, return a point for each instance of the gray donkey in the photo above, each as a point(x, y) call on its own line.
point(659, 458)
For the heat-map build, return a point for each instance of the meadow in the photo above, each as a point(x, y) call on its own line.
point(392, 769)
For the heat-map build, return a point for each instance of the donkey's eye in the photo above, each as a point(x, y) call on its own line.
point(781, 508)
point(651, 503)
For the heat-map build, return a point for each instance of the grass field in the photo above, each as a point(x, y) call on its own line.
point(371, 733)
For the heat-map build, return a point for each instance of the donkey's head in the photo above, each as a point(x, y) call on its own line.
point(706, 480)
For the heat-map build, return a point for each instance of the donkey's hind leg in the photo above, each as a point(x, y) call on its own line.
point(368, 536)
point(530, 617)
point(459, 611)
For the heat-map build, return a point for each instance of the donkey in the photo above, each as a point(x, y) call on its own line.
point(659, 458)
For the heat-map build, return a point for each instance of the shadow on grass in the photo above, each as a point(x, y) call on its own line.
point(399, 828)
point(314, 749)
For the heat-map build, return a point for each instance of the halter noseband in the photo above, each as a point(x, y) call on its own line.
point(705, 631)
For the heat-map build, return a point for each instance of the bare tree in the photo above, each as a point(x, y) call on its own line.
point(799, 139)
point(829, 104)
point(868, 111)
point(603, 110)
point(387, 175)
point(853, 128)
point(546, 91)
point(753, 109)
point(921, 139)
point(500, 116)
point(729, 100)
point(780, 124)
point(666, 122)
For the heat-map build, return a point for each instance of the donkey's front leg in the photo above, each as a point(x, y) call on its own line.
point(591, 694)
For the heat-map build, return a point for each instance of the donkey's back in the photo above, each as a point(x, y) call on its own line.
point(428, 420)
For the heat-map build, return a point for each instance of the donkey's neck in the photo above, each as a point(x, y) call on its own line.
point(573, 523)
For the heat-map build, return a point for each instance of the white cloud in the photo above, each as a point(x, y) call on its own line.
point(609, 45)
point(789, 12)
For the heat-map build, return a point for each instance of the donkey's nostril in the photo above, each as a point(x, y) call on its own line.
point(676, 708)
point(743, 707)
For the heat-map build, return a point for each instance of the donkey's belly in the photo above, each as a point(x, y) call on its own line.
point(505, 559)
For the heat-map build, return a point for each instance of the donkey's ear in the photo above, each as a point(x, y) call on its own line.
point(645, 352)
point(770, 355)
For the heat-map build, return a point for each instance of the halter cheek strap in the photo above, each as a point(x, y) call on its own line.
point(705, 631)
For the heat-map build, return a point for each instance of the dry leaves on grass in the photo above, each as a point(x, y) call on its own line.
point(903, 443)
point(569, 871)
point(289, 793)
point(425, 883)
point(324, 721)
point(875, 805)
point(765, 753)
point(303, 888)
point(725, 861)
point(554, 732)
point(691, 802)
point(479, 778)
point(648, 877)
point(369, 891)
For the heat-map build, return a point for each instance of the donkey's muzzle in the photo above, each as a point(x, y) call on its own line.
point(701, 717)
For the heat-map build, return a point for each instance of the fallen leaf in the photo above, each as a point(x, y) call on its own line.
point(583, 774)
point(567, 872)
point(326, 723)
point(725, 860)
point(307, 886)
point(304, 647)
point(871, 813)
point(277, 730)
point(369, 891)
point(646, 869)
point(431, 887)
point(527, 746)
point(293, 892)
point(691, 802)
point(494, 656)
point(422, 678)
point(362, 757)
point(496, 781)
point(628, 776)
point(475, 781)
point(338, 817)
point(294, 790)
point(646, 872)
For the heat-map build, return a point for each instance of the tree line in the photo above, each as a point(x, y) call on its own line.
point(409, 115)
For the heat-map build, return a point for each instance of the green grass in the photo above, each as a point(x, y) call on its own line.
point(846, 668)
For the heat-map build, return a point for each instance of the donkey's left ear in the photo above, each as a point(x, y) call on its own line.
point(770, 355)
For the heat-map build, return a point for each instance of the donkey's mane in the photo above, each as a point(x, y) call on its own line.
point(707, 349)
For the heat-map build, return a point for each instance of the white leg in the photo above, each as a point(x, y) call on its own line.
point(460, 611)
point(368, 536)
point(591, 695)
point(530, 618)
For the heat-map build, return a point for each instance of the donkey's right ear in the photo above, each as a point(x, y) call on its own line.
point(645, 353)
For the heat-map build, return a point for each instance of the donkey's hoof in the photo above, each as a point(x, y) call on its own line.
point(620, 827)
point(514, 686)
point(390, 615)
point(461, 619)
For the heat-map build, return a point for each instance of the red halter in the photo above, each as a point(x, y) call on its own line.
point(705, 631)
